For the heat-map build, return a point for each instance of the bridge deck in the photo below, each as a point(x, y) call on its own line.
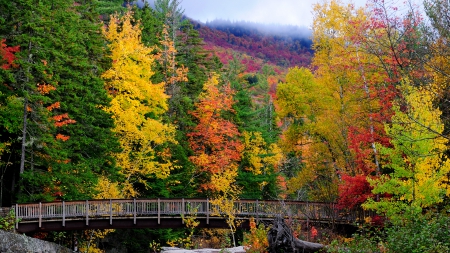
point(154, 213)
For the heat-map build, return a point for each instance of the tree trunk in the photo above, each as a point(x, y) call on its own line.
point(281, 239)
point(24, 136)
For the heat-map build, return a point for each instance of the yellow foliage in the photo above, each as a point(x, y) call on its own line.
point(419, 178)
point(256, 241)
point(107, 189)
point(137, 105)
point(258, 154)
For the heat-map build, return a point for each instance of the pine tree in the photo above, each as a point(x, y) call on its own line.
point(58, 81)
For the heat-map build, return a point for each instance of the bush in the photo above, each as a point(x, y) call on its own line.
point(422, 234)
point(8, 222)
point(256, 241)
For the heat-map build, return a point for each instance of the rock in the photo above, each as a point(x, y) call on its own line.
point(178, 250)
point(15, 243)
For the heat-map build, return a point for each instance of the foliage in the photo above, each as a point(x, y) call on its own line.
point(214, 140)
point(278, 50)
point(355, 244)
point(137, 106)
point(419, 173)
point(354, 191)
point(256, 240)
point(56, 159)
point(8, 222)
point(421, 234)
point(311, 134)
point(7, 55)
point(189, 219)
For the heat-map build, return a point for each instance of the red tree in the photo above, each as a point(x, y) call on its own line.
point(214, 140)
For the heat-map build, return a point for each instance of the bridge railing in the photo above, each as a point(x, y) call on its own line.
point(115, 208)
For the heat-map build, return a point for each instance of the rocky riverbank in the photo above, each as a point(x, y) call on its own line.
point(178, 250)
point(15, 243)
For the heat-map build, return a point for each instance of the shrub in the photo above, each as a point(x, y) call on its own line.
point(422, 234)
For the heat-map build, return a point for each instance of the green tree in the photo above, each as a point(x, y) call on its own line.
point(419, 170)
point(58, 83)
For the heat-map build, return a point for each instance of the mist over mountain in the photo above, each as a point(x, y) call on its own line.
point(281, 45)
point(240, 28)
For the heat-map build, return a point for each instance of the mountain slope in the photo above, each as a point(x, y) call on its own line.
point(283, 46)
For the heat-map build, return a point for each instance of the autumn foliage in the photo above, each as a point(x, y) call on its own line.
point(215, 139)
point(7, 55)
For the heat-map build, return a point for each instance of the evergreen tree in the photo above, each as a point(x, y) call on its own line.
point(65, 136)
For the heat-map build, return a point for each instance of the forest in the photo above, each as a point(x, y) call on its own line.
point(101, 99)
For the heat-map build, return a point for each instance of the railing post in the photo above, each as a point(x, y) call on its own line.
point(134, 211)
point(63, 214)
point(40, 214)
point(207, 211)
point(257, 212)
point(16, 211)
point(87, 212)
point(159, 210)
point(182, 211)
point(308, 213)
point(110, 211)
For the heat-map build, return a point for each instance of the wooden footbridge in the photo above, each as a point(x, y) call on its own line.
point(167, 213)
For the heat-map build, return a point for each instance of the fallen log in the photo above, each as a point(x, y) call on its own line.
point(281, 239)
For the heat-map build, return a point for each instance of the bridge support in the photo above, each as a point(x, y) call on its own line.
point(63, 214)
point(87, 213)
point(182, 211)
point(40, 214)
point(134, 211)
point(159, 211)
point(207, 211)
point(257, 212)
point(15, 215)
point(110, 212)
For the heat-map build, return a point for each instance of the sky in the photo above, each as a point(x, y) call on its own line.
point(286, 12)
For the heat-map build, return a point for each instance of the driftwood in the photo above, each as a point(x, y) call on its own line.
point(281, 239)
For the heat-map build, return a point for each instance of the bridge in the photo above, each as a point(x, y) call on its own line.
point(168, 213)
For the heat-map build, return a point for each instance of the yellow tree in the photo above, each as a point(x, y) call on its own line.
point(419, 172)
point(173, 74)
point(305, 107)
point(137, 105)
point(331, 116)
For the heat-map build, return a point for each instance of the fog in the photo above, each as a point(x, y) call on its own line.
point(291, 31)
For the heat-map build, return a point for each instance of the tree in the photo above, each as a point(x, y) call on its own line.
point(137, 106)
point(312, 134)
point(62, 53)
point(215, 140)
point(419, 170)
point(360, 92)
point(10, 111)
point(259, 167)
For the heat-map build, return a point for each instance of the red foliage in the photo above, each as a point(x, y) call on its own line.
point(215, 139)
point(62, 137)
point(377, 221)
point(45, 88)
point(314, 232)
point(40, 235)
point(63, 119)
point(269, 48)
point(7, 55)
point(353, 191)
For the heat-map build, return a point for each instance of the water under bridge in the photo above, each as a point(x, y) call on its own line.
point(168, 213)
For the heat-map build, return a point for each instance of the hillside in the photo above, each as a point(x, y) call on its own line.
point(282, 46)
